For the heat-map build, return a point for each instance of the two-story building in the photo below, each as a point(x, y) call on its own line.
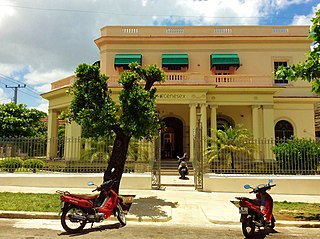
point(224, 74)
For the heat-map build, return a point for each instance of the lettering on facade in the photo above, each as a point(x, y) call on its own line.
point(172, 96)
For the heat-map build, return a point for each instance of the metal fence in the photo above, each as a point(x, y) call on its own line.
point(290, 157)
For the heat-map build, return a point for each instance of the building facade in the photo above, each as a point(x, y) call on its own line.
point(217, 75)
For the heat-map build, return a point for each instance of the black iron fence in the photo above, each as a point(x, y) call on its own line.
point(291, 157)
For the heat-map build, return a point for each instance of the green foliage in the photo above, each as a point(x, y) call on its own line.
point(34, 164)
point(16, 120)
point(297, 154)
point(93, 108)
point(11, 164)
point(308, 70)
point(230, 144)
point(138, 150)
point(96, 150)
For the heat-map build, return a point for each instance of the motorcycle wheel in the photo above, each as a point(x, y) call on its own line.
point(119, 213)
point(73, 225)
point(273, 222)
point(248, 227)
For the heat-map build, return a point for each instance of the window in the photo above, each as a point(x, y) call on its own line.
point(283, 130)
point(276, 64)
point(175, 62)
point(122, 61)
point(224, 64)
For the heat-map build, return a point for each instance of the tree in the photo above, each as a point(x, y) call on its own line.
point(93, 108)
point(16, 120)
point(297, 155)
point(309, 70)
point(229, 144)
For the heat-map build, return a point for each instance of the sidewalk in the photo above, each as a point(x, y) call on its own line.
point(172, 204)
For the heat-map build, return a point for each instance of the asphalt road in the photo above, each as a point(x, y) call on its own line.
point(35, 229)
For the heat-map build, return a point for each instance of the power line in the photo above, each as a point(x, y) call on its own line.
point(136, 15)
point(15, 97)
point(18, 82)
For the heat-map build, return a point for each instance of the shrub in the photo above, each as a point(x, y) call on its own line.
point(297, 155)
point(34, 164)
point(11, 164)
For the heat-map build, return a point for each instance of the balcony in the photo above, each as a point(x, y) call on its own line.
point(194, 78)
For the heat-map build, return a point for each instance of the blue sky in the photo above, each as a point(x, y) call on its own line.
point(42, 41)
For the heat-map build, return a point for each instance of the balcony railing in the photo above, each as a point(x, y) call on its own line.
point(193, 78)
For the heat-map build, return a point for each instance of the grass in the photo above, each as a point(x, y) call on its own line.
point(297, 211)
point(40, 202)
point(30, 202)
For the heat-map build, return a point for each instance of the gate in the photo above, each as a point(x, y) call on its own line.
point(156, 164)
point(198, 156)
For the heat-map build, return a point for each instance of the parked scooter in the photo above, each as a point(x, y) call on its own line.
point(256, 213)
point(78, 209)
point(182, 166)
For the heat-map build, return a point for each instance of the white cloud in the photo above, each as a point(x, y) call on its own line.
point(3, 97)
point(43, 106)
point(43, 88)
point(305, 19)
point(35, 77)
point(5, 11)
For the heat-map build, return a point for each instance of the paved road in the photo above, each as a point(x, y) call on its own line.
point(40, 229)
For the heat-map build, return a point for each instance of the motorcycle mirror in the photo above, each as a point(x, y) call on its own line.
point(247, 186)
point(90, 183)
point(112, 170)
point(270, 181)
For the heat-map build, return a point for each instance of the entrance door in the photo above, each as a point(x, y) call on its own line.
point(172, 138)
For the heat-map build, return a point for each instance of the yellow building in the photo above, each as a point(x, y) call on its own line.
point(222, 74)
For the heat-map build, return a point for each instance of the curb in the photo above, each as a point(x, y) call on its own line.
point(55, 216)
point(131, 217)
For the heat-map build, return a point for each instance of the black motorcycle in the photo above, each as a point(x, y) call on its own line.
point(182, 166)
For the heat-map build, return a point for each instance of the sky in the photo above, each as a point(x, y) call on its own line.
point(42, 41)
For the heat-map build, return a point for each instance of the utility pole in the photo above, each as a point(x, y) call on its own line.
point(15, 97)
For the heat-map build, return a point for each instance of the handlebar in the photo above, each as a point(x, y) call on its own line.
point(108, 183)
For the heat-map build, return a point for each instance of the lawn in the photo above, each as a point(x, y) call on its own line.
point(40, 202)
point(50, 203)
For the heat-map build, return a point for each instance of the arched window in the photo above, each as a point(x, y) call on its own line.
point(283, 130)
point(224, 122)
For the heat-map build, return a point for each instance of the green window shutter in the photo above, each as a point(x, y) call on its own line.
point(175, 60)
point(125, 59)
point(225, 60)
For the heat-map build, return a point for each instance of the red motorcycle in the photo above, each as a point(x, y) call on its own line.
point(256, 213)
point(78, 209)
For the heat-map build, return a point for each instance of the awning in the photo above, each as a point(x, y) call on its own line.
point(126, 59)
point(224, 60)
point(175, 59)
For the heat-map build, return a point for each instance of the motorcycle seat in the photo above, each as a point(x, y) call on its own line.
point(85, 196)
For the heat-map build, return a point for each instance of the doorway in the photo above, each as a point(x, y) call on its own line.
point(172, 138)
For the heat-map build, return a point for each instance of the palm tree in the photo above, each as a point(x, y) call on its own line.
point(229, 144)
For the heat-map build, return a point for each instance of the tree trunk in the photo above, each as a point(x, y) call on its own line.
point(117, 159)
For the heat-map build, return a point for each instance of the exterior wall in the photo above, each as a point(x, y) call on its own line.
point(249, 97)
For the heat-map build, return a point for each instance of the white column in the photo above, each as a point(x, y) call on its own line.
point(268, 130)
point(193, 122)
point(72, 143)
point(203, 111)
point(213, 119)
point(52, 144)
point(255, 121)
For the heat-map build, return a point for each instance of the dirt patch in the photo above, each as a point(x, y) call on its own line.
point(127, 202)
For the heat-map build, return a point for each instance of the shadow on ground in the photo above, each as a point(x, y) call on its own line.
point(150, 207)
